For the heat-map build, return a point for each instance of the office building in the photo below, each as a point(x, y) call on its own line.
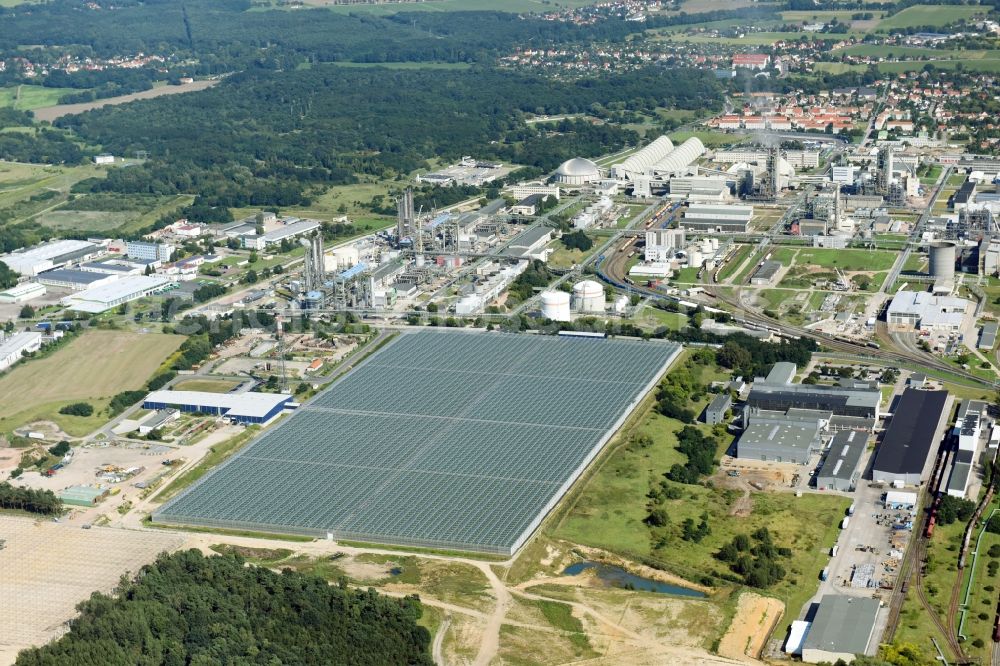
point(158, 252)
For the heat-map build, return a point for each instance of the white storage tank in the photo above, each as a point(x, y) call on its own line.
point(715, 243)
point(706, 246)
point(588, 296)
point(555, 305)
point(695, 257)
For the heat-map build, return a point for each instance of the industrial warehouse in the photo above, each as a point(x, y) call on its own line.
point(913, 429)
point(247, 407)
point(453, 440)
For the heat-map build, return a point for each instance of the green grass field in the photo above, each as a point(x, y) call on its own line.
point(19, 182)
point(735, 262)
point(209, 385)
point(563, 257)
point(27, 98)
point(848, 260)
point(984, 65)
point(816, 15)
point(710, 138)
point(654, 317)
point(932, 15)
point(93, 367)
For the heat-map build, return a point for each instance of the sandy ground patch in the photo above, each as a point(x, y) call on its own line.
point(755, 618)
point(47, 568)
point(9, 458)
point(364, 570)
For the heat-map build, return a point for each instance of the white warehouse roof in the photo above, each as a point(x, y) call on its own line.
point(289, 230)
point(680, 157)
point(932, 310)
point(30, 261)
point(901, 498)
point(639, 162)
point(247, 404)
point(122, 290)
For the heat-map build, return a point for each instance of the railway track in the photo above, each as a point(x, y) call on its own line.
point(949, 636)
point(848, 347)
point(611, 269)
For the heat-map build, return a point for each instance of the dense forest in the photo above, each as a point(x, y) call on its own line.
point(265, 138)
point(217, 36)
point(189, 609)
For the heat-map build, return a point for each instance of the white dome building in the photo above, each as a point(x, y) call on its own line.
point(588, 296)
point(577, 171)
point(555, 305)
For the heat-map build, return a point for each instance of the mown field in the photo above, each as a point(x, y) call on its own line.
point(929, 15)
point(847, 260)
point(27, 97)
point(92, 368)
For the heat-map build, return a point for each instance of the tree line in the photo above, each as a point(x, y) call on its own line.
point(43, 502)
point(186, 608)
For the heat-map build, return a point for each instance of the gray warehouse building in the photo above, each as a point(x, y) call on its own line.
point(717, 409)
point(792, 436)
point(765, 273)
point(841, 468)
point(842, 629)
point(841, 401)
point(910, 436)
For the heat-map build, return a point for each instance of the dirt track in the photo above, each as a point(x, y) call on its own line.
point(50, 113)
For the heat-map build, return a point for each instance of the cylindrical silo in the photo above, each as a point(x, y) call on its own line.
point(555, 305)
point(695, 257)
point(588, 296)
point(942, 261)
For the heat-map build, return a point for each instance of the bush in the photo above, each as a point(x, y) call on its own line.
point(954, 508)
point(760, 567)
point(60, 449)
point(160, 380)
point(993, 527)
point(994, 551)
point(657, 518)
point(978, 643)
point(577, 240)
point(125, 399)
point(77, 409)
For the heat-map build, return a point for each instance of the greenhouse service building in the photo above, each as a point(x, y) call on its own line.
point(441, 439)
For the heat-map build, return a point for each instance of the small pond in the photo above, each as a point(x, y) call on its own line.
point(618, 577)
